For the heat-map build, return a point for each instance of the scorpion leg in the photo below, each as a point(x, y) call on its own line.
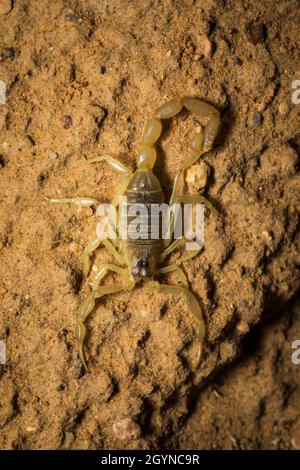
point(188, 256)
point(112, 162)
point(167, 251)
point(193, 305)
point(197, 199)
point(77, 201)
point(88, 306)
point(174, 268)
point(176, 243)
point(85, 257)
point(92, 246)
point(103, 270)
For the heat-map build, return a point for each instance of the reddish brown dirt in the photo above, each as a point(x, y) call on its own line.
point(81, 79)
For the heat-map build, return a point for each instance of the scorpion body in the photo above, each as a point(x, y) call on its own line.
point(142, 259)
point(142, 254)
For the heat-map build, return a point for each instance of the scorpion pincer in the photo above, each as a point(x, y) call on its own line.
point(142, 260)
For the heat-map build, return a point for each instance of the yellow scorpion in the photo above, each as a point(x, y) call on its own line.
point(142, 260)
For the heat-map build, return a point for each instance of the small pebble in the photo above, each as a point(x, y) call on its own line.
point(261, 107)
point(3, 290)
point(5, 7)
point(2, 162)
point(8, 52)
point(243, 327)
point(31, 429)
point(207, 47)
point(66, 121)
point(295, 443)
point(102, 69)
point(255, 32)
point(283, 108)
point(197, 176)
point(127, 429)
point(61, 387)
point(257, 119)
point(54, 156)
point(276, 441)
point(267, 235)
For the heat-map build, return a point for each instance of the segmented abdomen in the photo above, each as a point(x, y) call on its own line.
point(143, 191)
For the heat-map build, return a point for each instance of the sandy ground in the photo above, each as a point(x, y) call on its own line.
point(81, 78)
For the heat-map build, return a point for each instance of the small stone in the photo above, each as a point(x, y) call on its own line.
point(102, 69)
point(242, 327)
point(295, 443)
point(66, 121)
point(257, 119)
point(267, 235)
point(261, 107)
point(283, 108)
point(60, 387)
point(127, 429)
point(3, 290)
point(5, 7)
point(276, 441)
point(8, 52)
point(207, 47)
point(197, 176)
point(31, 429)
point(255, 32)
point(54, 156)
point(2, 162)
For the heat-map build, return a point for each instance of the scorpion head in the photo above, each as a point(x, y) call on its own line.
point(143, 265)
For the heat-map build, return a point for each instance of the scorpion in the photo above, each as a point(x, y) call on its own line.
point(142, 260)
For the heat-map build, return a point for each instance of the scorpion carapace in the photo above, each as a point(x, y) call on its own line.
point(144, 259)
